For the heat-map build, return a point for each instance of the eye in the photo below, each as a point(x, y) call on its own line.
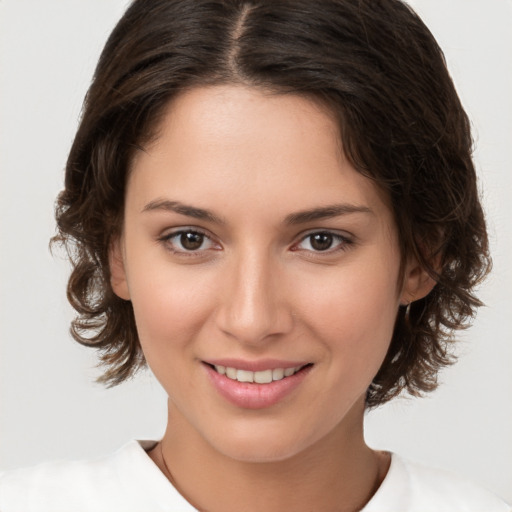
point(323, 241)
point(188, 241)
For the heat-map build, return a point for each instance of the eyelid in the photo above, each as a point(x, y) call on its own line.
point(171, 231)
point(344, 238)
point(169, 235)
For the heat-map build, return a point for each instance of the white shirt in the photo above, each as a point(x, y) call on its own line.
point(129, 481)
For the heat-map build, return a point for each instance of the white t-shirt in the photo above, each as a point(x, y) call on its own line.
point(129, 481)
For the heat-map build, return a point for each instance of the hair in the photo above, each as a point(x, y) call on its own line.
point(377, 68)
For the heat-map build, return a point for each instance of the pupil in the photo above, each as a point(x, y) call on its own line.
point(321, 241)
point(191, 241)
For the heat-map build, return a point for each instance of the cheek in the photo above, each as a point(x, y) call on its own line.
point(354, 311)
point(170, 310)
point(170, 307)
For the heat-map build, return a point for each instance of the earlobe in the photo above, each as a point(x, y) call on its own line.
point(418, 283)
point(118, 279)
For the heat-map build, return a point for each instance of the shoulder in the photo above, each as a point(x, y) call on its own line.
point(43, 486)
point(417, 488)
point(124, 481)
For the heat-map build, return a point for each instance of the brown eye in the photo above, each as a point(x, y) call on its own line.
point(191, 241)
point(188, 242)
point(321, 241)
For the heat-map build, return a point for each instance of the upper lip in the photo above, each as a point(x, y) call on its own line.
point(255, 366)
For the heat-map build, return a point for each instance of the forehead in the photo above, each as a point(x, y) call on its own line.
point(245, 146)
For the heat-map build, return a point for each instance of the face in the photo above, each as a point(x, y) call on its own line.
point(252, 250)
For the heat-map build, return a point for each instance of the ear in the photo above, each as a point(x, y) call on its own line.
point(118, 279)
point(417, 283)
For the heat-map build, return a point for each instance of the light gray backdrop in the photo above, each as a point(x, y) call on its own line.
point(49, 407)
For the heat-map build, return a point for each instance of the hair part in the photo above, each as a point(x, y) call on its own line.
point(382, 75)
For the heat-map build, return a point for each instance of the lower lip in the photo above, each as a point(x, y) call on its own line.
point(255, 396)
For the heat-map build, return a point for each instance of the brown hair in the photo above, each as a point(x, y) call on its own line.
point(378, 69)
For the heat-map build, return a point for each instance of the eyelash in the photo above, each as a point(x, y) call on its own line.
point(167, 241)
point(343, 242)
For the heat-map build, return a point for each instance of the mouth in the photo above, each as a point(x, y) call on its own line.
point(257, 377)
point(265, 386)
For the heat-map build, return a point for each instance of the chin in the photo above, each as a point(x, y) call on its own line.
point(256, 453)
point(261, 445)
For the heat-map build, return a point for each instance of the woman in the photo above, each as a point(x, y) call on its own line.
point(273, 204)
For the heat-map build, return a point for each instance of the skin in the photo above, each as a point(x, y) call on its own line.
point(257, 288)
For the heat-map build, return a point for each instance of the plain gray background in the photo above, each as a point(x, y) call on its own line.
point(49, 406)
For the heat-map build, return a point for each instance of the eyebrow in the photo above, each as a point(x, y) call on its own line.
point(182, 209)
point(301, 217)
point(325, 212)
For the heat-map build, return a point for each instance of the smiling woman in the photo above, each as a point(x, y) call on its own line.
point(257, 211)
point(274, 279)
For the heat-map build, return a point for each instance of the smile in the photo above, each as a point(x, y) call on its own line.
point(265, 384)
point(259, 377)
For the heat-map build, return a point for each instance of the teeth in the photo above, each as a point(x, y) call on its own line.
point(230, 372)
point(277, 374)
point(244, 376)
point(262, 377)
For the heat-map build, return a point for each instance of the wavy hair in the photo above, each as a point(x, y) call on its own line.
point(380, 72)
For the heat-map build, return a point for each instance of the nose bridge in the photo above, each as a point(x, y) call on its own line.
point(252, 307)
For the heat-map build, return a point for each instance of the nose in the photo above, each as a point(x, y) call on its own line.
point(254, 306)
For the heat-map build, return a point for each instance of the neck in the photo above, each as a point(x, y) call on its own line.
point(339, 472)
